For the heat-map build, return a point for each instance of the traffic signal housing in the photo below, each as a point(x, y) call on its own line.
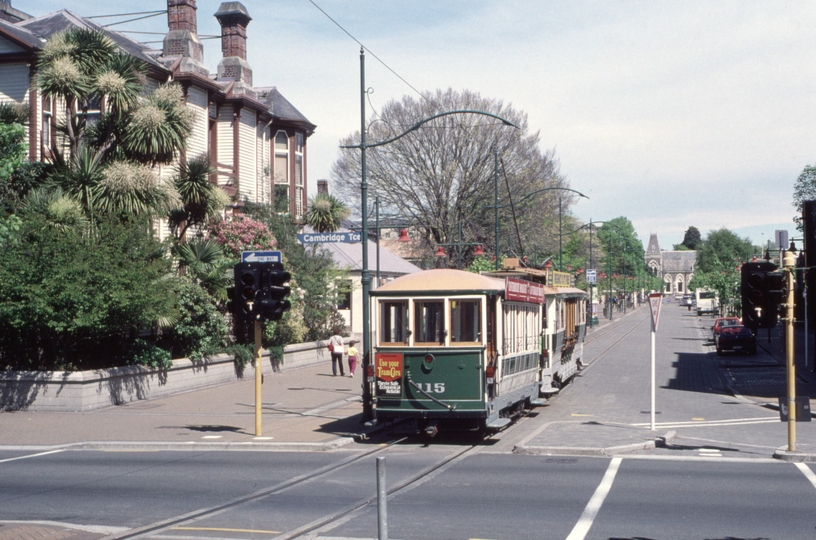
point(248, 279)
point(754, 289)
point(271, 302)
point(775, 295)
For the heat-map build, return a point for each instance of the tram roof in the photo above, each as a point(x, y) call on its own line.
point(441, 280)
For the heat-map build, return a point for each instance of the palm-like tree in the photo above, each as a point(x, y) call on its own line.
point(201, 200)
point(107, 167)
point(326, 213)
point(204, 262)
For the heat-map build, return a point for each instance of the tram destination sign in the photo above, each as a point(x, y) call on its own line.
point(330, 237)
point(522, 290)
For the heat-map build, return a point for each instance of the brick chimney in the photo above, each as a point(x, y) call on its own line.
point(234, 19)
point(181, 39)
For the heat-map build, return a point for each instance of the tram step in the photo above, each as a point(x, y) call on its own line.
point(498, 423)
point(538, 402)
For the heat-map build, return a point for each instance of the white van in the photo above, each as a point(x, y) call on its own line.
point(706, 300)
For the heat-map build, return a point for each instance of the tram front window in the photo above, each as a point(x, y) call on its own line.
point(465, 321)
point(429, 322)
point(394, 322)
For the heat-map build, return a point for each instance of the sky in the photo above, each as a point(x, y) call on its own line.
point(672, 114)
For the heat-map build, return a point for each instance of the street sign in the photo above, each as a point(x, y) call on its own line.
point(781, 238)
point(261, 256)
point(655, 300)
point(802, 409)
point(590, 277)
point(330, 238)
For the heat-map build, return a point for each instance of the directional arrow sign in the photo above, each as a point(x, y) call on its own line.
point(261, 256)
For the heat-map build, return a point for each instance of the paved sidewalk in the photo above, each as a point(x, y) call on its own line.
point(306, 408)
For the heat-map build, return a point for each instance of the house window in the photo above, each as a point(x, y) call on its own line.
point(92, 109)
point(46, 124)
point(281, 158)
point(299, 202)
point(299, 159)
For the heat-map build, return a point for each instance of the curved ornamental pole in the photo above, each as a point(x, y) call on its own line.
point(365, 277)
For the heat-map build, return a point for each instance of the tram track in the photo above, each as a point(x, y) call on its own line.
point(168, 524)
point(602, 353)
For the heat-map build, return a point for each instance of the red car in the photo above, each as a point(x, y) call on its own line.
point(721, 322)
point(736, 338)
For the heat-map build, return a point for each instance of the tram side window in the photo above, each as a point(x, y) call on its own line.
point(393, 322)
point(465, 321)
point(429, 321)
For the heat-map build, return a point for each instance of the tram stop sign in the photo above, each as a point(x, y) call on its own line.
point(655, 299)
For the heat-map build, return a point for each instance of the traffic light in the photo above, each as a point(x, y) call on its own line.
point(754, 289)
point(271, 302)
point(247, 285)
point(775, 294)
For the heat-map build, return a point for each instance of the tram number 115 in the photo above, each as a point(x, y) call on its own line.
point(432, 388)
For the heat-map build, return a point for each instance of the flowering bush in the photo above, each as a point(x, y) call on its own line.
point(242, 234)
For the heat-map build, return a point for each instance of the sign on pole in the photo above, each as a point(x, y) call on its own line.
point(591, 275)
point(261, 256)
point(655, 301)
point(330, 238)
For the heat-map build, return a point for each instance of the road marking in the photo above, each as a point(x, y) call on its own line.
point(731, 422)
point(807, 472)
point(581, 528)
point(32, 455)
point(221, 529)
point(709, 452)
point(581, 414)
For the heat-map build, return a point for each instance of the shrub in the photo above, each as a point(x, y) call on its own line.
point(145, 353)
point(201, 330)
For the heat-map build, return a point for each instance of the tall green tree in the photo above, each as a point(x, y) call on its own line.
point(692, 239)
point(723, 248)
point(804, 189)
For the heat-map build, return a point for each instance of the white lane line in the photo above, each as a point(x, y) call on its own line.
point(706, 423)
point(32, 455)
point(581, 528)
point(807, 472)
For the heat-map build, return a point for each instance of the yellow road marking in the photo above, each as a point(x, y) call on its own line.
point(699, 419)
point(581, 414)
point(221, 529)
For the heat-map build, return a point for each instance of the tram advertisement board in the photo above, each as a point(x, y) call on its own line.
point(388, 369)
point(521, 290)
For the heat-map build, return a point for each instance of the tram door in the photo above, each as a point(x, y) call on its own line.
point(491, 359)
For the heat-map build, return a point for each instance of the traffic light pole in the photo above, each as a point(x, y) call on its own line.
point(258, 379)
point(789, 262)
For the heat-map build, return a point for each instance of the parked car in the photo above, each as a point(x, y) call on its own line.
point(721, 322)
point(736, 338)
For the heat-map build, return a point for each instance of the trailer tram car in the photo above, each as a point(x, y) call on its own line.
point(457, 349)
point(565, 322)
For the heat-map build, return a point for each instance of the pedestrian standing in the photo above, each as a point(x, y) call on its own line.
point(337, 350)
point(352, 357)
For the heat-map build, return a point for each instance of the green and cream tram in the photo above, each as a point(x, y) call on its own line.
point(457, 348)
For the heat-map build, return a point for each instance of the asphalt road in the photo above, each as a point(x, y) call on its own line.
point(715, 480)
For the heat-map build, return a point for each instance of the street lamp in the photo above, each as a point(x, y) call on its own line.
point(365, 278)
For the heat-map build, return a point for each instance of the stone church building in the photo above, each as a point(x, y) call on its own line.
point(676, 268)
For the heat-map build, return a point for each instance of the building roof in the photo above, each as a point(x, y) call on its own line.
point(350, 257)
point(679, 261)
point(280, 107)
point(46, 26)
point(22, 36)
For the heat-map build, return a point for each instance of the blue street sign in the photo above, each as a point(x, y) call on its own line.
point(330, 238)
point(261, 256)
point(590, 275)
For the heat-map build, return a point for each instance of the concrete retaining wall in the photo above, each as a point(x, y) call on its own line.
point(87, 390)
